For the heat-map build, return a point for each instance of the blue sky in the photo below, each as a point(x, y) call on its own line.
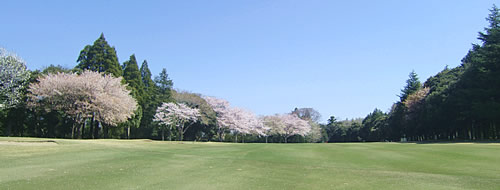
point(343, 58)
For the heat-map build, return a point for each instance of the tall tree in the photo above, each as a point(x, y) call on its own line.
point(412, 85)
point(146, 76)
point(133, 78)
point(149, 102)
point(164, 86)
point(100, 57)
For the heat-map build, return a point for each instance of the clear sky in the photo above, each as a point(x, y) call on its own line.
point(342, 58)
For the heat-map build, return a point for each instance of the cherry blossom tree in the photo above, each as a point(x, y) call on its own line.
point(13, 78)
point(178, 115)
point(83, 96)
point(221, 108)
point(235, 120)
point(287, 125)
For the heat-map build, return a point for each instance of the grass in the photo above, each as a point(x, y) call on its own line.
point(27, 163)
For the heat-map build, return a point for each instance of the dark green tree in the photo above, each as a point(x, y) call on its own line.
point(148, 104)
point(164, 86)
point(132, 77)
point(412, 85)
point(100, 57)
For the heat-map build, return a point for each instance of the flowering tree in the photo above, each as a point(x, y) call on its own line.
point(13, 78)
point(287, 125)
point(221, 108)
point(82, 96)
point(236, 120)
point(178, 115)
point(240, 121)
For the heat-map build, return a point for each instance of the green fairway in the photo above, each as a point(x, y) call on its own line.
point(145, 164)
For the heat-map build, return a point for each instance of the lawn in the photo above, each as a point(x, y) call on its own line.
point(27, 163)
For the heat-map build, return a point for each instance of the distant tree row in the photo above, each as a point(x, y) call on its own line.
point(101, 98)
point(461, 103)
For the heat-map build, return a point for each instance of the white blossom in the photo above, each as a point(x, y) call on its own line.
point(13, 78)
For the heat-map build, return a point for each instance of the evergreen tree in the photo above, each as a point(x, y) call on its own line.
point(412, 85)
point(146, 76)
point(132, 77)
point(164, 85)
point(148, 103)
point(100, 57)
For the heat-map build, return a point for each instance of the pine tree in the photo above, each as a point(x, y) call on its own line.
point(146, 76)
point(412, 85)
point(164, 85)
point(132, 77)
point(149, 103)
point(99, 57)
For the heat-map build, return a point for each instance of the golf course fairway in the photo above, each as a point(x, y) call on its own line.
point(36, 163)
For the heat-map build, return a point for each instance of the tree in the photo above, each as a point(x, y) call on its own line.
point(100, 57)
point(149, 102)
point(221, 108)
point(235, 120)
point(13, 79)
point(83, 96)
point(308, 114)
point(177, 115)
point(132, 77)
point(373, 126)
point(315, 134)
point(164, 85)
point(287, 125)
point(146, 76)
point(240, 121)
point(412, 85)
point(205, 128)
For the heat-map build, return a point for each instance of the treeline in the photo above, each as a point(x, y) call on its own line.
point(461, 103)
point(79, 102)
point(23, 120)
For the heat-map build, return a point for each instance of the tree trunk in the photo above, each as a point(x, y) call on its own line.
point(73, 131)
point(8, 129)
point(83, 130)
point(96, 129)
point(181, 132)
point(286, 139)
point(266, 139)
point(128, 132)
point(91, 131)
point(105, 131)
point(220, 135)
point(170, 134)
point(242, 138)
point(162, 134)
point(236, 140)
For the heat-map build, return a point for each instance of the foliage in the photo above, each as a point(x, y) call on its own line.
point(13, 79)
point(177, 115)
point(100, 57)
point(412, 85)
point(132, 77)
point(308, 114)
point(286, 125)
point(80, 96)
